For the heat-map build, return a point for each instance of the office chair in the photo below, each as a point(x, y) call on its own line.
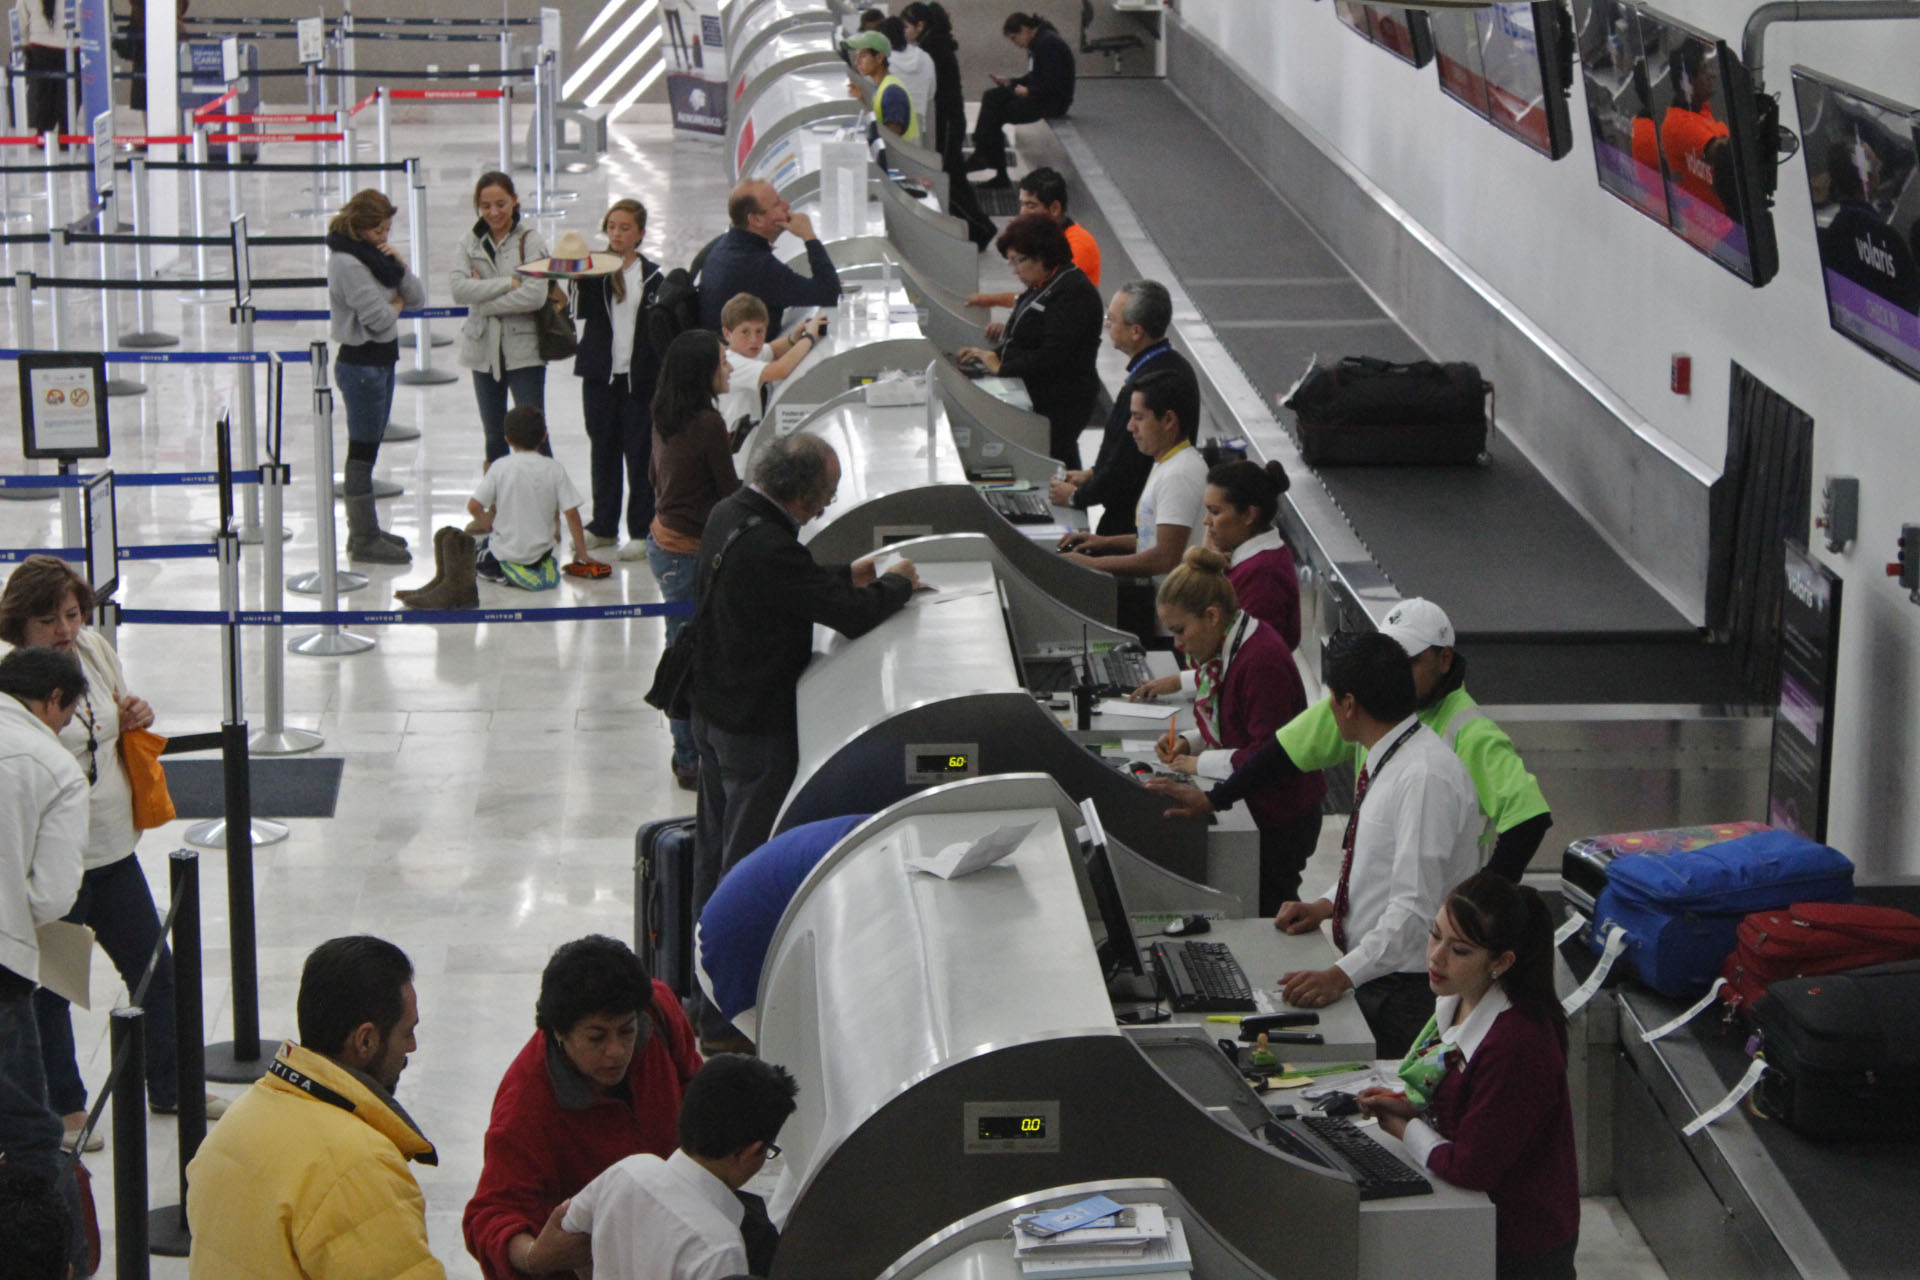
point(1112, 46)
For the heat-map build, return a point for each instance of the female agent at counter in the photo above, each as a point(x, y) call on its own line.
point(1052, 338)
point(1486, 1104)
point(1246, 687)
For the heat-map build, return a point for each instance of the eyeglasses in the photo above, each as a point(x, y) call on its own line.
point(772, 1150)
point(1018, 260)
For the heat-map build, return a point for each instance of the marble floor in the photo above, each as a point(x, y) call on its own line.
point(494, 774)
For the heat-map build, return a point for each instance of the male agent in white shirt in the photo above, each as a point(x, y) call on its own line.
point(1413, 834)
point(678, 1219)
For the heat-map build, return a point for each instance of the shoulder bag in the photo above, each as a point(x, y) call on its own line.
point(672, 690)
point(553, 322)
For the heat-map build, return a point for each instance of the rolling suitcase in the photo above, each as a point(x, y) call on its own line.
point(1366, 411)
point(663, 901)
point(1843, 1052)
point(1583, 867)
point(1809, 939)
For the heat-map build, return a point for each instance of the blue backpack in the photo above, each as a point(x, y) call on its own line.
point(1681, 911)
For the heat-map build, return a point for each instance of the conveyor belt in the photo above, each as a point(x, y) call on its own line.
point(1506, 554)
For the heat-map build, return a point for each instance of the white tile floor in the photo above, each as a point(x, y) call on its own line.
point(494, 774)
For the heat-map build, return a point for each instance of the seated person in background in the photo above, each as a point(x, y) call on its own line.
point(754, 361)
point(1169, 516)
point(1246, 687)
point(519, 502)
point(36, 1226)
point(738, 921)
point(1486, 1105)
point(1508, 795)
point(681, 1218)
point(1137, 321)
point(1410, 835)
point(1045, 191)
point(601, 1080)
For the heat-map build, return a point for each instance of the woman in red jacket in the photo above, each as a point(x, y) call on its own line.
point(1245, 687)
point(1242, 499)
point(1486, 1105)
point(600, 1080)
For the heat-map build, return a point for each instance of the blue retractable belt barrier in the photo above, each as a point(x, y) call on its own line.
point(300, 355)
point(161, 551)
point(367, 618)
point(423, 313)
point(128, 479)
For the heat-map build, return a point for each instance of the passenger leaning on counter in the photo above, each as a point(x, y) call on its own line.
point(1509, 796)
point(1485, 1103)
point(1245, 685)
point(1171, 515)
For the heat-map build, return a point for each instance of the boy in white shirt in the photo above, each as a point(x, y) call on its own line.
point(519, 505)
point(754, 361)
point(646, 1218)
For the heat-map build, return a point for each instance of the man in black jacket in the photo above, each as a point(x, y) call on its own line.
point(756, 639)
point(742, 261)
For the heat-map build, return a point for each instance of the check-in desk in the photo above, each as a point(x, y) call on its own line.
point(872, 330)
point(745, 21)
point(919, 1014)
point(783, 99)
point(935, 693)
point(936, 242)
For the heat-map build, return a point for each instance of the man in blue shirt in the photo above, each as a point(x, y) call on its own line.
point(742, 260)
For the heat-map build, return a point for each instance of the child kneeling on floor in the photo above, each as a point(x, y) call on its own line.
point(519, 504)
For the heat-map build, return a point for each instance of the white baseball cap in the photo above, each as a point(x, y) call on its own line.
point(1419, 625)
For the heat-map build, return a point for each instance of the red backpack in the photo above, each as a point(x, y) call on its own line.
point(1812, 938)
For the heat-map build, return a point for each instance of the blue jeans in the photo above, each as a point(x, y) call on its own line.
point(116, 903)
point(29, 1130)
point(367, 392)
point(674, 572)
point(528, 387)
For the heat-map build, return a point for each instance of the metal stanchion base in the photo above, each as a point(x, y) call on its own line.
point(381, 488)
point(288, 742)
point(125, 387)
point(213, 835)
point(311, 584)
point(425, 377)
point(329, 644)
point(439, 340)
point(399, 433)
point(142, 340)
point(167, 1234)
point(253, 538)
point(27, 495)
point(224, 1068)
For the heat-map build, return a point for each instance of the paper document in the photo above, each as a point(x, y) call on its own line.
point(66, 961)
point(960, 859)
point(1138, 710)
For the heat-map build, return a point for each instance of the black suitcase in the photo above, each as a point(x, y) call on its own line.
point(663, 901)
point(1366, 411)
point(1843, 1052)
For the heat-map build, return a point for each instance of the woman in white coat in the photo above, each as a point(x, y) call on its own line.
point(500, 341)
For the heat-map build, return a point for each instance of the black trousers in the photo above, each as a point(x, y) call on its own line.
point(999, 106)
point(1397, 1006)
point(1284, 851)
point(620, 436)
point(46, 98)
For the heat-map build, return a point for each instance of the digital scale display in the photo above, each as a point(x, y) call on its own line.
point(941, 763)
point(931, 763)
point(1010, 1128)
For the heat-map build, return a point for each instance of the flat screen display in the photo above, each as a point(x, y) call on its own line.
point(1525, 64)
point(1626, 142)
point(1861, 153)
point(1402, 32)
point(1456, 57)
point(1354, 14)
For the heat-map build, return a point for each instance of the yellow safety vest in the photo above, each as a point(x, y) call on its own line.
point(913, 113)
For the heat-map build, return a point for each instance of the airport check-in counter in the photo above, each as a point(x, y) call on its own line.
point(743, 22)
point(936, 693)
point(930, 1023)
point(929, 237)
point(786, 97)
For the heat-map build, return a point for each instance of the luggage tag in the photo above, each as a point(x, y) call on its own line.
point(1616, 943)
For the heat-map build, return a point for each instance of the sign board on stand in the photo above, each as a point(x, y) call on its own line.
point(63, 404)
point(229, 59)
point(312, 34)
point(102, 154)
point(103, 536)
point(1801, 767)
point(696, 56)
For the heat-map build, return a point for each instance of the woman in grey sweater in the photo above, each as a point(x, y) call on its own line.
point(368, 285)
point(500, 341)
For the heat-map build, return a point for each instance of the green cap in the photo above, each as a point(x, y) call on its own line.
point(872, 42)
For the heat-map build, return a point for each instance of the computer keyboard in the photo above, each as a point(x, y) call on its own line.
point(1119, 672)
point(1202, 977)
point(1022, 506)
point(1334, 1143)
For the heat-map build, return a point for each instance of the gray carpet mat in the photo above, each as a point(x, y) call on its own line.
point(1501, 549)
point(303, 787)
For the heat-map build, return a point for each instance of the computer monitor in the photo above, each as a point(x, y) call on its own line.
point(1013, 635)
point(1120, 953)
point(1402, 32)
point(1526, 57)
point(1862, 153)
point(1626, 141)
point(1456, 57)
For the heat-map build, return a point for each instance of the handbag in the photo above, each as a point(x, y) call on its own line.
point(152, 804)
point(554, 334)
point(672, 690)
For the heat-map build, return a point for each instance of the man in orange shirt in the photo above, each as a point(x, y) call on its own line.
point(1045, 191)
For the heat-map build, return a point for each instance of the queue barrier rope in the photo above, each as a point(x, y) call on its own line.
point(172, 286)
point(237, 20)
point(414, 95)
point(158, 551)
point(375, 618)
point(128, 479)
point(419, 313)
point(456, 73)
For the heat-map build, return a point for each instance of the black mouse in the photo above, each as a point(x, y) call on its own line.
point(1141, 769)
point(1187, 926)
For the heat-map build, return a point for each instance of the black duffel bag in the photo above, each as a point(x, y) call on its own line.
point(1843, 1052)
point(1364, 410)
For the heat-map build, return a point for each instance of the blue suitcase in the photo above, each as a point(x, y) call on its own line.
point(663, 901)
point(1681, 911)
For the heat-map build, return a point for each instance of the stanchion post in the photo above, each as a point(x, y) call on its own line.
point(274, 737)
point(50, 153)
point(233, 161)
point(57, 265)
point(23, 310)
point(248, 413)
point(542, 198)
point(167, 1234)
point(331, 640)
point(127, 1042)
point(144, 334)
point(504, 107)
point(70, 531)
point(107, 220)
point(423, 373)
point(198, 155)
point(383, 116)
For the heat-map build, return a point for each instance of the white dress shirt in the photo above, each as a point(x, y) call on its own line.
point(1418, 837)
point(625, 314)
point(1422, 1138)
point(655, 1219)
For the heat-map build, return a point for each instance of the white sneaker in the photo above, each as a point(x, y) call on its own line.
point(634, 549)
point(599, 540)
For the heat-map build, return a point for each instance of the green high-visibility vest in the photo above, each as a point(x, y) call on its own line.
point(913, 113)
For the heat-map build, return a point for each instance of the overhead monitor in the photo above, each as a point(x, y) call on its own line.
point(1456, 57)
point(1862, 152)
point(1718, 183)
point(1626, 142)
point(1402, 32)
point(1511, 65)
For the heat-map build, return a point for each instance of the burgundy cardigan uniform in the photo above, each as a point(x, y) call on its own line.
point(1508, 1122)
point(1262, 692)
point(1268, 587)
point(553, 1131)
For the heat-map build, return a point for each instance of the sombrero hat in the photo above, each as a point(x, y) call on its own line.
point(571, 257)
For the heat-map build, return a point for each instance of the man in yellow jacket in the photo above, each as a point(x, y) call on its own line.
point(307, 1175)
